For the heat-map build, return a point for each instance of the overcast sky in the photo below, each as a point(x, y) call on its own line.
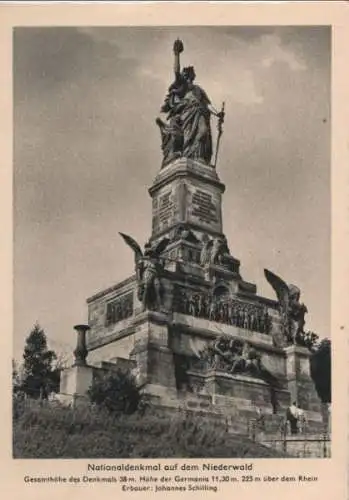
point(87, 148)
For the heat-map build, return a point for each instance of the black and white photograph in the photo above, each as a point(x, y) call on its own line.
point(172, 242)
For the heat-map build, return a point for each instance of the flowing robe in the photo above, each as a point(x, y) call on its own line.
point(190, 103)
point(195, 117)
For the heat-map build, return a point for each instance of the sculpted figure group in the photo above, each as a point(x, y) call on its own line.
point(149, 267)
point(228, 311)
point(234, 356)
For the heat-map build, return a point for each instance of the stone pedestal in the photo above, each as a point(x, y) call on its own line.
point(243, 392)
point(299, 381)
point(151, 352)
point(187, 191)
point(75, 382)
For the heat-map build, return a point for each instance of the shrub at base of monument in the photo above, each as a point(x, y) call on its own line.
point(117, 392)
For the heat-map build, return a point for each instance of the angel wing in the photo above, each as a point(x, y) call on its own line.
point(160, 247)
point(280, 288)
point(225, 247)
point(134, 245)
point(138, 254)
point(205, 252)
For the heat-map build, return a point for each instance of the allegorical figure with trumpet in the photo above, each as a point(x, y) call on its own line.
point(187, 132)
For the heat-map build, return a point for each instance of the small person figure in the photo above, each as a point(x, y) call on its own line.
point(171, 138)
point(229, 313)
point(245, 319)
point(248, 318)
point(237, 311)
point(234, 316)
point(260, 321)
point(266, 321)
point(184, 303)
point(292, 417)
point(117, 312)
point(212, 311)
point(260, 420)
point(301, 421)
point(221, 312)
point(200, 305)
point(205, 306)
point(192, 305)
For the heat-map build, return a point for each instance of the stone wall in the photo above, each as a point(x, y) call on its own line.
point(108, 352)
point(316, 446)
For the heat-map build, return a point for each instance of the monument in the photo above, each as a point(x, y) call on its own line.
point(190, 327)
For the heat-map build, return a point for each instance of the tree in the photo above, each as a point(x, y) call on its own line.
point(39, 377)
point(116, 391)
point(320, 370)
point(17, 376)
point(14, 375)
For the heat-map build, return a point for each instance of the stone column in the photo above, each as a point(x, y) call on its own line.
point(76, 380)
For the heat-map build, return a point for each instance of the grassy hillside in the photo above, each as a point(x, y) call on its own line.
point(53, 431)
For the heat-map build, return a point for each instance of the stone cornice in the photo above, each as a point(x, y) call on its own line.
point(113, 288)
point(108, 339)
point(257, 298)
point(191, 225)
point(186, 168)
point(210, 333)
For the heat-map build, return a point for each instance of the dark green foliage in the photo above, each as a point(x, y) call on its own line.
point(39, 377)
point(16, 379)
point(307, 339)
point(48, 430)
point(116, 392)
point(320, 370)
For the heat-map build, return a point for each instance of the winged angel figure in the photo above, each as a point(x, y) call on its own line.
point(292, 310)
point(148, 268)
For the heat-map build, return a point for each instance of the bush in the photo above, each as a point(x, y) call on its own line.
point(116, 392)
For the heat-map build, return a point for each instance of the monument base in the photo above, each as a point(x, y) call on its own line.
point(75, 383)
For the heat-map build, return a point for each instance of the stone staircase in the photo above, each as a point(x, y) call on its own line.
point(240, 419)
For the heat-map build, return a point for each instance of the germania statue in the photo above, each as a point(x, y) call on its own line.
point(187, 132)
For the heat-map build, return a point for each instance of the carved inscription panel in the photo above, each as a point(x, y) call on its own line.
point(164, 210)
point(188, 201)
point(205, 208)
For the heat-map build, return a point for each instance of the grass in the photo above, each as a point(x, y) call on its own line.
point(50, 430)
